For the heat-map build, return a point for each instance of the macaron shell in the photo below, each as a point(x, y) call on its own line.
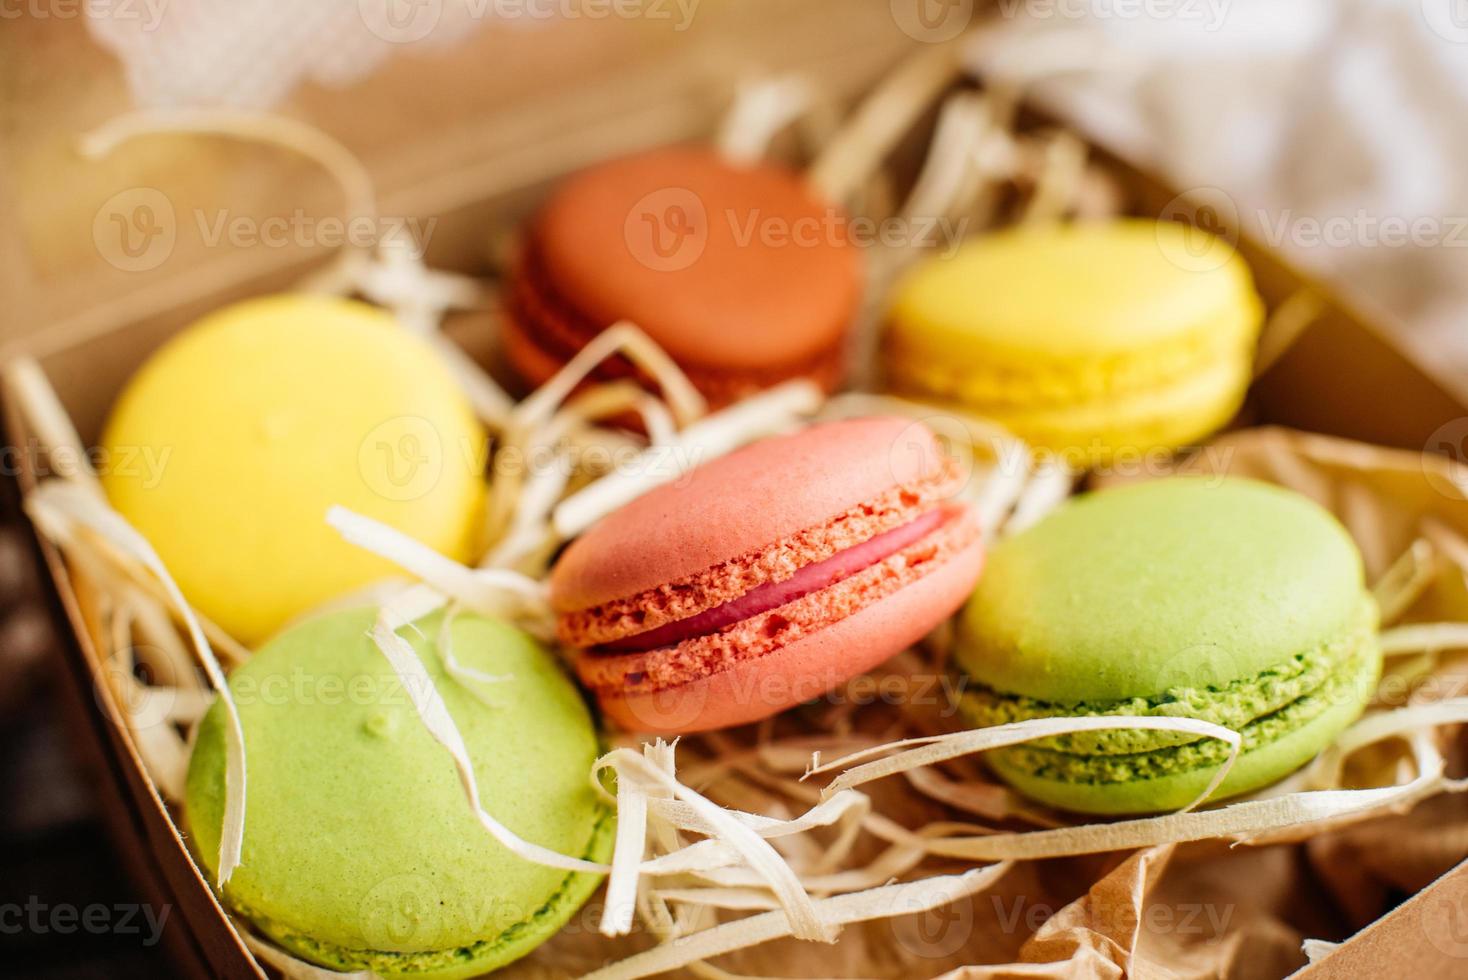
point(1128, 427)
point(1254, 769)
point(355, 815)
point(809, 667)
point(262, 416)
point(740, 503)
point(1185, 580)
point(529, 353)
point(1077, 291)
point(707, 257)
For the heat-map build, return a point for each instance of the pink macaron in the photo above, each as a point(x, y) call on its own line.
point(767, 577)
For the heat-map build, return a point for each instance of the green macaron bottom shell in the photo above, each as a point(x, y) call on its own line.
point(1171, 777)
point(460, 962)
point(360, 848)
point(1235, 705)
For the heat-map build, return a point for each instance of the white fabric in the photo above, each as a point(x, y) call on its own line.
point(1335, 128)
point(252, 53)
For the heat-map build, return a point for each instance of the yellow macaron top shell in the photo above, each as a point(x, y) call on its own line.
point(1079, 290)
point(257, 419)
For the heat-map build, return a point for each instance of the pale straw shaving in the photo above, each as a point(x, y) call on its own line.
point(47, 417)
point(292, 968)
point(684, 400)
point(161, 649)
point(733, 833)
point(529, 539)
point(488, 399)
point(1249, 819)
point(440, 724)
point(949, 180)
point(762, 107)
point(1361, 514)
point(1049, 486)
point(766, 413)
point(876, 903)
point(1448, 542)
point(946, 185)
point(469, 678)
point(1286, 323)
point(988, 800)
point(1379, 726)
point(1293, 470)
point(55, 432)
point(930, 749)
point(1419, 637)
point(145, 710)
point(393, 275)
point(1406, 580)
point(492, 592)
point(627, 855)
point(858, 150)
point(1061, 164)
point(1316, 950)
point(244, 124)
point(56, 504)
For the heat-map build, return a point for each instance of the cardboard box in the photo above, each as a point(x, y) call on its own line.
point(90, 325)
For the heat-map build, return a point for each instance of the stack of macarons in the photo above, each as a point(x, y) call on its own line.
point(767, 577)
point(360, 849)
point(1092, 341)
point(1225, 600)
point(742, 273)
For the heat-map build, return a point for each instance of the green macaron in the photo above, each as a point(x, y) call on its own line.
point(1225, 600)
point(361, 851)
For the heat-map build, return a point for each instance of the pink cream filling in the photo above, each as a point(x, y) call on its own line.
point(771, 595)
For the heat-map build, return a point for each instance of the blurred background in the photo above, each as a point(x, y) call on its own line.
point(1331, 130)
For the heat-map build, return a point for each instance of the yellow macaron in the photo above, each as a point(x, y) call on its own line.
point(1090, 340)
point(257, 419)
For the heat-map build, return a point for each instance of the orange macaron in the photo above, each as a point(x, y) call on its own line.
point(767, 577)
point(744, 274)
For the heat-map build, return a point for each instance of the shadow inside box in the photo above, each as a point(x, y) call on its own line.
point(67, 908)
